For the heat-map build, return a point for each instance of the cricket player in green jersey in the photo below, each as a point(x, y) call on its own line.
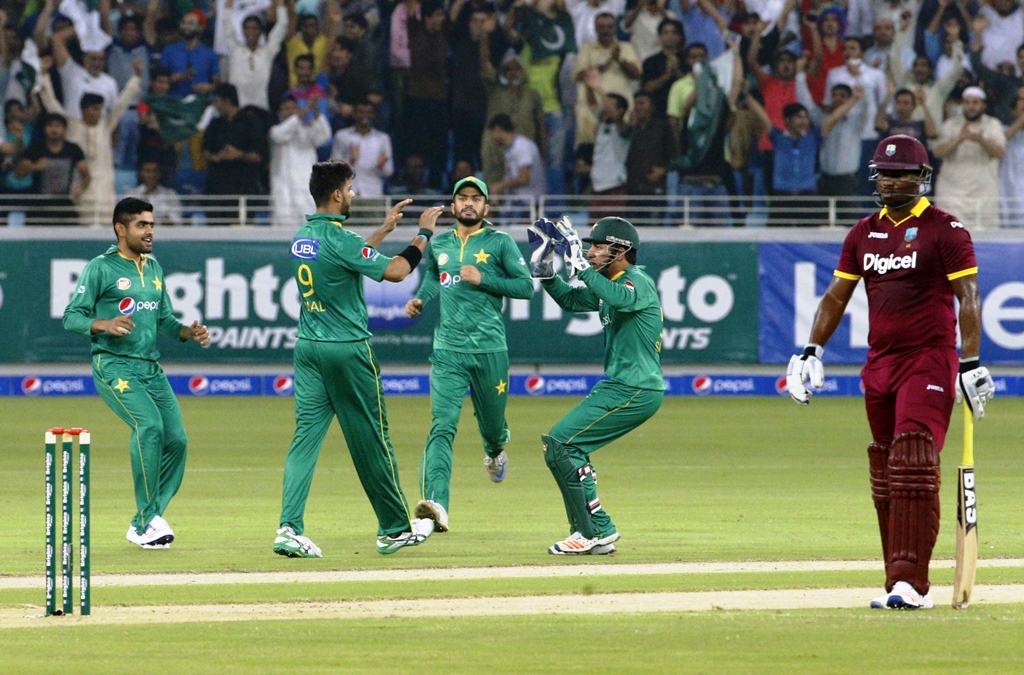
point(336, 373)
point(122, 304)
point(472, 267)
point(627, 301)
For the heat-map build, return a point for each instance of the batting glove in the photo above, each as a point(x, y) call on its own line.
point(803, 368)
point(575, 258)
point(974, 385)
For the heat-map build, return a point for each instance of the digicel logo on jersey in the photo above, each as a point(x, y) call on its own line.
point(873, 261)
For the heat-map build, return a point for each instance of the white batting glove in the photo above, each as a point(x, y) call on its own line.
point(803, 368)
point(575, 259)
point(975, 385)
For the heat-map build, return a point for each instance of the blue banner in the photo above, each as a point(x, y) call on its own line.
point(794, 278)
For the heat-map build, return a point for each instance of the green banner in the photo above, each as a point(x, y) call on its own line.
point(244, 292)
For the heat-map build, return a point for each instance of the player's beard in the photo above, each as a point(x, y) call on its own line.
point(139, 245)
point(465, 221)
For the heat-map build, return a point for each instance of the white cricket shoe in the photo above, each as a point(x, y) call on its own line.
point(605, 545)
point(903, 596)
point(496, 467)
point(575, 544)
point(421, 528)
point(287, 543)
point(431, 510)
point(158, 534)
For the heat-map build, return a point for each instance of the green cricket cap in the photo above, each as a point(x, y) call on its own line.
point(613, 230)
point(475, 182)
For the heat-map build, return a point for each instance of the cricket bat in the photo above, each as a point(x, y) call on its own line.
point(966, 520)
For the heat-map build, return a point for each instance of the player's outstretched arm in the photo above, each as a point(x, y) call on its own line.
point(390, 223)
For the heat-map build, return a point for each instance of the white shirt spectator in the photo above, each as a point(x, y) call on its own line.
point(583, 15)
point(873, 82)
point(249, 69)
point(643, 34)
point(520, 153)
point(610, 151)
point(1002, 36)
point(1011, 183)
point(292, 156)
point(968, 183)
point(165, 201)
point(76, 80)
point(369, 154)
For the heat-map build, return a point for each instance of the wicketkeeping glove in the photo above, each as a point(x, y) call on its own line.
point(804, 367)
point(575, 259)
point(542, 249)
point(974, 384)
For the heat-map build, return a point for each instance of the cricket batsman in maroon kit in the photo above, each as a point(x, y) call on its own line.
point(914, 259)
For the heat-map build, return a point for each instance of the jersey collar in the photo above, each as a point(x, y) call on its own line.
point(332, 218)
point(915, 212)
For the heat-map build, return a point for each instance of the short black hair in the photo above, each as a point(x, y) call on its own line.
point(792, 110)
point(328, 177)
point(130, 18)
point(845, 88)
point(227, 92)
point(89, 100)
point(253, 17)
point(159, 71)
point(620, 101)
point(501, 121)
point(672, 22)
point(128, 207)
point(10, 103)
point(54, 117)
point(359, 20)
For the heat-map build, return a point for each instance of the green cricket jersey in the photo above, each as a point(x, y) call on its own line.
point(329, 263)
point(111, 285)
point(630, 312)
point(471, 315)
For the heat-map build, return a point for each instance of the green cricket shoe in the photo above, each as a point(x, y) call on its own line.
point(421, 529)
point(294, 545)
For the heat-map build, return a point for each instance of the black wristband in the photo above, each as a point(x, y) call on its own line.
point(413, 255)
point(425, 233)
point(967, 365)
point(813, 350)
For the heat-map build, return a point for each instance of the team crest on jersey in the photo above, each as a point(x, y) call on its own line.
point(370, 253)
point(629, 286)
point(911, 234)
point(124, 283)
point(890, 150)
point(442, 259)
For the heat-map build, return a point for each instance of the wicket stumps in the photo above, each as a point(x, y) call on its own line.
point(67, 557)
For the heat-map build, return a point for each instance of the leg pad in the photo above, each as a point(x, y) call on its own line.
point(914, 478)
point(878, 463)
point(568, 475)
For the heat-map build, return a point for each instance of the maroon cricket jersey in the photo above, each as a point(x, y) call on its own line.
point(907, 267)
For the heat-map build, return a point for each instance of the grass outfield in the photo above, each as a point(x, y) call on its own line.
point(705, 480)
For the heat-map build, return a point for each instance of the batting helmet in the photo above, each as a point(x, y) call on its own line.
point(614, 230)
point(901, 153)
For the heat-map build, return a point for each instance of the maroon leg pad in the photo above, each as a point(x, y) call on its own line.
point(878, 464)
point(913, 509)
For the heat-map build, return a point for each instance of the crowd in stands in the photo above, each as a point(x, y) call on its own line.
point(637, 102)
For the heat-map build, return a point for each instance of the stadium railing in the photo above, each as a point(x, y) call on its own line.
point(644, 211)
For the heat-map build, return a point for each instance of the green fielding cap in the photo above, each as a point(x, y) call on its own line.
point(475, 182)
point(614, 230)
